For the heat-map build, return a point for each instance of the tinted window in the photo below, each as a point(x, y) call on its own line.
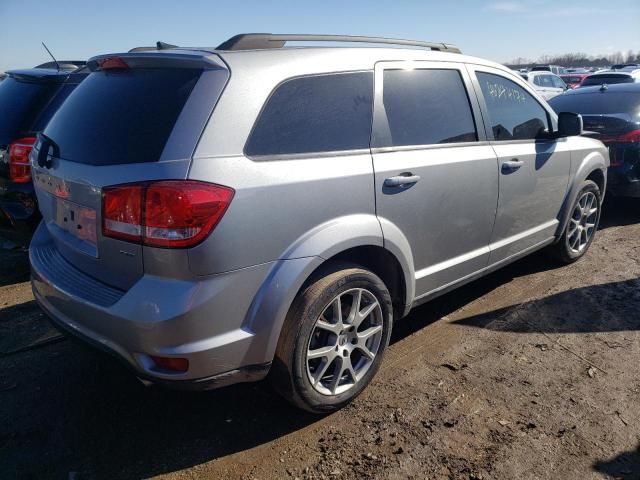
point(608, 79)
point(321, 113)
point(513, 113)
point(598, 103)
point(53, 106)
point(537, 80)
point(121, 117)
point(426, 107)
point(20, 104)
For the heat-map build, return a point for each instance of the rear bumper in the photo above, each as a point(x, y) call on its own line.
point(203, 320)
point(19, 215)
point(624, 175)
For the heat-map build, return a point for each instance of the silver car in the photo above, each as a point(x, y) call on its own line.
point(213, 216)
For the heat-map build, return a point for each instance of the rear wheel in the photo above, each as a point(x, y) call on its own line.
point(582, 225)
point(333, 339)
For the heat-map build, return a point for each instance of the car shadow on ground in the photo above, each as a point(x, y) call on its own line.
point(619, 211)
point(571, 311)
point(624, 466)
point(14, 266)
point(445, 305)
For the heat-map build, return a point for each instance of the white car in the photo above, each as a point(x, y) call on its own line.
point(547, 84)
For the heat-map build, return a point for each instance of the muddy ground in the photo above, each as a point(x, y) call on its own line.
point(529, 373)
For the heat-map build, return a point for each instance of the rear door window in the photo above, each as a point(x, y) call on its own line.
point(121, 117)
point(315, 114)
point(513, 113)
point(20, 104)
point(426, 107)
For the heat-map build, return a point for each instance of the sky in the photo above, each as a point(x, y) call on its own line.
point(496, 30)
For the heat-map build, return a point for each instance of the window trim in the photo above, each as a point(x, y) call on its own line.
point(552, 119)
point(306, 155)
point(381, 122)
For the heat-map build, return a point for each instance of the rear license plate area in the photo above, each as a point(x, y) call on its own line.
point(77, 220)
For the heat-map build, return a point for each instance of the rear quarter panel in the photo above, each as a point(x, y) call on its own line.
point(587, 156)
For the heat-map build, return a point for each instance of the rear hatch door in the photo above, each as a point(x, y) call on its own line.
point(135, 118)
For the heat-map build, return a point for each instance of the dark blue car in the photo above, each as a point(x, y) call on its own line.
point(612, 111)
point(28, 100)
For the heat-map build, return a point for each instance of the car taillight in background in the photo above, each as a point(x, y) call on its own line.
point(19, 166)
point(629, 137)
point(614, 141)
point(171, 214)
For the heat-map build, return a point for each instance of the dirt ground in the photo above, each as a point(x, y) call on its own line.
point(530, 373)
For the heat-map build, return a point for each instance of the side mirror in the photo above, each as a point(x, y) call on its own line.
point(569, 124)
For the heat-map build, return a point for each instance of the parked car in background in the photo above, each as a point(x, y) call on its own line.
point(573, 80)
point(611, 78)
point(28, 100)
point(547, 84)
point(555, 69)
point(156, 174)
point(624, 66)
point(613, 111)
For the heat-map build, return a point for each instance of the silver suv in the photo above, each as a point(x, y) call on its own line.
point(211, 216)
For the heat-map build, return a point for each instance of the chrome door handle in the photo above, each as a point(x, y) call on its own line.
point(401, 180)
point(512, 165)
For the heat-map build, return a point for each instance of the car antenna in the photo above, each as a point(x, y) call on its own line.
point(54, 58)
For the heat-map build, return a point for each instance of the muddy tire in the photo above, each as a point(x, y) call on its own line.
point(333, 339)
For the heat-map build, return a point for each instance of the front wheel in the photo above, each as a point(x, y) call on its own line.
point(333, 339)
point(582, 225)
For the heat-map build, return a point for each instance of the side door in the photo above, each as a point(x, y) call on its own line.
point(533, 167)
point(436, 175)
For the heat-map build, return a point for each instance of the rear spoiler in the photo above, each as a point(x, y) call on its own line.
point(150, 58)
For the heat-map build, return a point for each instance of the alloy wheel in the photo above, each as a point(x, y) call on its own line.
point(582, 223)
point(344, 341)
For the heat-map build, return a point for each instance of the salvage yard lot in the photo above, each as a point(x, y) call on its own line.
point(531, 372)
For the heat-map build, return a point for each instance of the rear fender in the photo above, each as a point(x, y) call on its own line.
point(595, 160)
point(288, 275)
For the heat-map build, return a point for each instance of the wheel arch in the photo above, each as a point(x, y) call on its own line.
point(356, 239)
point(593, 167)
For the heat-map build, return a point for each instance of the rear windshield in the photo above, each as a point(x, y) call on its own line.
point(20, 104)
point(121, 117)
point(605, 103)
point(608, 79)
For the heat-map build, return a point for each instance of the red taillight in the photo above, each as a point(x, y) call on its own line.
point(629, 137)
point(174, 364)
point(112, 63)
point(172, 214)
point(122, 212)
point(19, 166)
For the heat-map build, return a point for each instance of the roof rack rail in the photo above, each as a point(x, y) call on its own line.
point(159, 46)
point(261, 41)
